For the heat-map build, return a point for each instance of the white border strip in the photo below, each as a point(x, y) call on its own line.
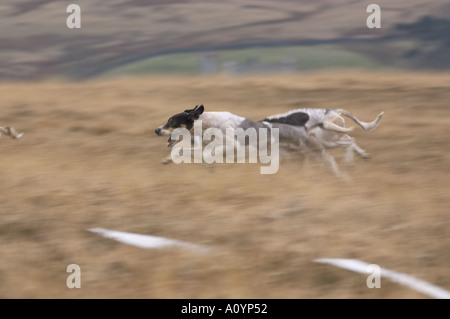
point(146, 241)
point(400, 278)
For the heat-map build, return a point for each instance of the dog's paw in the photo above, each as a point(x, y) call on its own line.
point(166, 161)
point(365, 155)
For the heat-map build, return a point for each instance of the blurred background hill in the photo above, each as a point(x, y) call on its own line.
point(191, 37)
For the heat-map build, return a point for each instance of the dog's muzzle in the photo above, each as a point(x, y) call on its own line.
point(160, 131)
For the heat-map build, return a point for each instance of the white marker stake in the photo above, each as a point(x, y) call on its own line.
point(146, 241)
point(400, 278)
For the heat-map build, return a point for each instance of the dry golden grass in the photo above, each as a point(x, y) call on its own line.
point(90, 158)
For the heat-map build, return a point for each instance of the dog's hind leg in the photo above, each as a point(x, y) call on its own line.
point(351, 147)
point(334, 127)
point(360, 151)
point(334, 122)
point(368, 126)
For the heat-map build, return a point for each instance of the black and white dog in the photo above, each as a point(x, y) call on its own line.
point(10, 131)
point(292, 130)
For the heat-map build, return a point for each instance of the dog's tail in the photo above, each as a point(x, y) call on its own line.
point(368, 126)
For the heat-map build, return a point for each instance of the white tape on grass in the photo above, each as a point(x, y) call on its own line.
point(146, 241)
point(400, 278)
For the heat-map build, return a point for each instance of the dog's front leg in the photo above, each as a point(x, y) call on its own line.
point(186, 152)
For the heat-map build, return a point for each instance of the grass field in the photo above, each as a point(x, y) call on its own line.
point(90, 158)
point(296, 58)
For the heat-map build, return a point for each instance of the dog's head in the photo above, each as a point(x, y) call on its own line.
point(181, 120)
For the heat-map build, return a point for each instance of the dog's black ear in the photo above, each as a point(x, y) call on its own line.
point(200, 109)
point(195, 112)
point(190, 111)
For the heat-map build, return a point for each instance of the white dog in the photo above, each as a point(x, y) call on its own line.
point(293, 130)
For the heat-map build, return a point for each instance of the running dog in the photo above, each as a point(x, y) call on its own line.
point(292, 130)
